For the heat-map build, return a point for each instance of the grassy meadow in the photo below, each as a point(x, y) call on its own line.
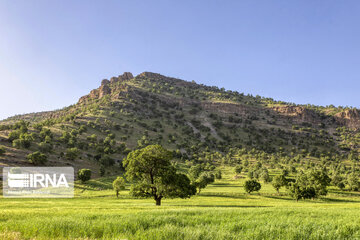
point(222, 211)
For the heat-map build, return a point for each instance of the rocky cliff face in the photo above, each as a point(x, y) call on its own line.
point(349, 118)
point(117, 88)
point(105, 87)
point(298, 113)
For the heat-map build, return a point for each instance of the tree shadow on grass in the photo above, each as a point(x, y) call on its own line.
point(223, 196)
point(226, 185)
point(346, 193)
point(221, 184)
point(320, 200)
point(279, 197)
point(94, 184)
point(327, 199)
point(222, 206)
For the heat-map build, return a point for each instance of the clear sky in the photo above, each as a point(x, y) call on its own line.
point(53, 52)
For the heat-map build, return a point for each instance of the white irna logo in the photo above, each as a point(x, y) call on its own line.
point(38, 182)
point(29, 180)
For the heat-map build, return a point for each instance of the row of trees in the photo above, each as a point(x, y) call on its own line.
point(153, 176)
point(306, 185)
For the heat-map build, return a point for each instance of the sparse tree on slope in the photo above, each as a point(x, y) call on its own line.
point(37, 158)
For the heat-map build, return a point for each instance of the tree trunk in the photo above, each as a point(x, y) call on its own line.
point(158, 201)
point(117, 194)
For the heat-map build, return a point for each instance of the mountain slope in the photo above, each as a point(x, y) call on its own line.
point(200, 123)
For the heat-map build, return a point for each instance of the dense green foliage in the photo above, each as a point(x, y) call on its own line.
point(2, 150)
point(84, 175)
point(153, 175)
point(252, 186)
point(37, 158)
point(118, 185)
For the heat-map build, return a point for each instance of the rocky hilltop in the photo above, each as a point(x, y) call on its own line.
point(117, 88)
point(126, 112)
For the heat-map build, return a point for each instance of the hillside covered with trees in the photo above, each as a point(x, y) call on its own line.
point(204, 127)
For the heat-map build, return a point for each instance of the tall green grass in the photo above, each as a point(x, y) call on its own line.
point(221, 211)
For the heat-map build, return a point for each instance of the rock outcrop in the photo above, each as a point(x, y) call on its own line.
point(106, 87)
point(104, 90)
point(349, 118)
point(124, 77)
point(297, 113)
point(105, 82)
point(117, 88)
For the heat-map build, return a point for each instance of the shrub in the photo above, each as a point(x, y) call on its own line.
point(238, 169)
point(2, 150)
point(107, 161)
point(278, 182)
point(218, 175)
point(203, 180)
point(45, 147)
point(252, 186)
point(84, 174)
point(341, 185)
point(102, 170)
point(298, 191)
point(37, 158)
point(21, 143)
point(118, 185)
point(14, 135)
point(72, 153)
point(266, 177)
point(353, 182)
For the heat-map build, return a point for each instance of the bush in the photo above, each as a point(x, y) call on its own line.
point(2, 150)
point(45, 147)
point(203, 180)
point(341, 185)
point(266, 177)
point(84, 175)
point(298, 191)
point(102, 171)
point(21, 143)
point(218, 175)
point(14, 135)
point(72, 153)
point(37, 158)
point(238, 169)
point(353, 182)
point(252, 186)
point(106, 161)
point(278, 182)
point(118, 185)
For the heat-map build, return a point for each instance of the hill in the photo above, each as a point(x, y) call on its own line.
point(201, 124)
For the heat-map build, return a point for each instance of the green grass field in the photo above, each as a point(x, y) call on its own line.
point(221, 211)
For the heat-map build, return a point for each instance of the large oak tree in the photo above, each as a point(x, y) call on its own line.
point(153, 175)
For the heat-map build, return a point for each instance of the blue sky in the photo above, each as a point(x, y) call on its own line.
point(53, 52)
